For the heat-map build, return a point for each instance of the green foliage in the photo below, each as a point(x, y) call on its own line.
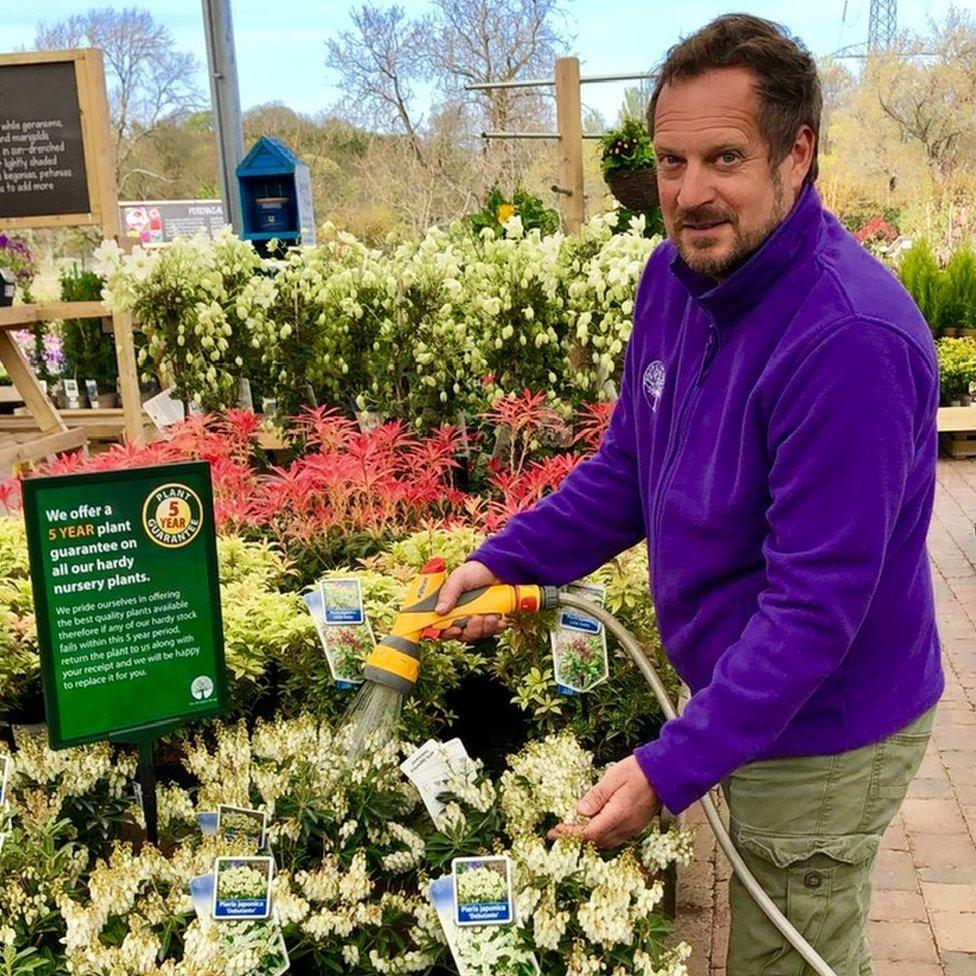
point(959, 290)
point(628, 147)
point(530, 210)
point(617, 713)
point(184, 297)
point(90, 353)
point(945, 296)
point(957, 367)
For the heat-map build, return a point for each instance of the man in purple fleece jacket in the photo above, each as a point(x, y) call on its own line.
point(775, 443)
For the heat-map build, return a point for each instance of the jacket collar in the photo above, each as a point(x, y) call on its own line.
point(747, 285)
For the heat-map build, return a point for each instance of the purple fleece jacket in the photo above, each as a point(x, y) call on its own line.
point(775, 441)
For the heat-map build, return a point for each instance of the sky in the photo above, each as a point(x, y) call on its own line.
point(281, 46)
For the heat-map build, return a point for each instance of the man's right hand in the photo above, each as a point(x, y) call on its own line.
point(469, 576)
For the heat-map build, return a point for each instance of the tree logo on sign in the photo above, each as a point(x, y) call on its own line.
point(172, 515)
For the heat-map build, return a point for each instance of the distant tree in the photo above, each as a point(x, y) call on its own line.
point(928, 87)
point(838, 84)
point(635, 102)
point(474, 42)
point(378, 62)
point(150, 82)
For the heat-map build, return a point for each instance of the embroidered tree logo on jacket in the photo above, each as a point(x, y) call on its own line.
point(654, 382)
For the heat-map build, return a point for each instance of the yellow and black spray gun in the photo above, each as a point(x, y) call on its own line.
point(393, 666)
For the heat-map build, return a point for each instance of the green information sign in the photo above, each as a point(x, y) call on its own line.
point(124, 571)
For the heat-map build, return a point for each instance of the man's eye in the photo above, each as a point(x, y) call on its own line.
point(730, 156)
point(669, 160)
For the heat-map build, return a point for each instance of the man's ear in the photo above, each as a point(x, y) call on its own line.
point(801, 156)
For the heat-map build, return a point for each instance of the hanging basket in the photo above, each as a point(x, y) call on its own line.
point(636, 189)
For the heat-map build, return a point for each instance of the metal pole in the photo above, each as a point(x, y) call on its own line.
point(226, 100)
point(543, 82)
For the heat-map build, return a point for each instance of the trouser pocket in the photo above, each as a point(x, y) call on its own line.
point(822, 885)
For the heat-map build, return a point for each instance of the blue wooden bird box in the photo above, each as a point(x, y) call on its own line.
point(276, 195)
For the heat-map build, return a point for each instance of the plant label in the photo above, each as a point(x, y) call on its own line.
point(342, 600)
point(207, 822)
point(71, 392)
point(431, 769)
point(242, 822)
point(483, 890)
point(91, 391)
point(242, 887)
point(579, 660)
point(573, 619)
point(469, 946)
point(5, 764)
point(345, 645)
point(164, 409)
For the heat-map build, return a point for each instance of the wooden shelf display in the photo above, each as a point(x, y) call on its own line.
point(56, 102)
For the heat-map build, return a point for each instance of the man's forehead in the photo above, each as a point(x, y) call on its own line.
point(720, 102)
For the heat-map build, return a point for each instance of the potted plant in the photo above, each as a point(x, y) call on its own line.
point(18, 259)
point(89, 352)
point(628, 166)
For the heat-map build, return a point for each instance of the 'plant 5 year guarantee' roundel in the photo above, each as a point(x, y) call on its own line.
point(172, 515)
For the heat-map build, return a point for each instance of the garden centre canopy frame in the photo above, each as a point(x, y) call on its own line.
point(67, 89)
point(569, 123)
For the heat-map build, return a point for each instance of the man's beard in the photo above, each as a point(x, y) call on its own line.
point(698, 258)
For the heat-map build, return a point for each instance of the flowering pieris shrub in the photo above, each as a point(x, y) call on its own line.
point(355, 850)
point(267, 626)
point(184, 298)
point(434, 328)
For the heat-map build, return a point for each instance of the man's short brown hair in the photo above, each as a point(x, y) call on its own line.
point(787, 82)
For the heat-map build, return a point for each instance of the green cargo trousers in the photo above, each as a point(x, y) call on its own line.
point(809, 829)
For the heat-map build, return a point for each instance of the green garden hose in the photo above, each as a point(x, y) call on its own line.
point(631, 645)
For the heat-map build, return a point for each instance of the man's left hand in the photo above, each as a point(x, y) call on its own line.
point(621, 805)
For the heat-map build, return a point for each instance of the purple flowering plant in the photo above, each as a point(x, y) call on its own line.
point(18, 258)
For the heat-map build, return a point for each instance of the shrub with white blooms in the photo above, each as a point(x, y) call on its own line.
point(355, 852)
point(436, 326)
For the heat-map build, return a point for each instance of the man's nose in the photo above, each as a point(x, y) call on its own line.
point(696, 187)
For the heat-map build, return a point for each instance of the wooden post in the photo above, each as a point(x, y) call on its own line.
point(569, 121)
point(109, 205)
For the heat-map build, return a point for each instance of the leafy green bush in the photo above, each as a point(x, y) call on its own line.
point(89, 352)
point(435, 330)
point(533, 214)
point(957, 367)
point(945, 296)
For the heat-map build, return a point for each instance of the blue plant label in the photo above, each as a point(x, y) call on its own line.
point(201, 891)
point(242, 887)
point(483, 891)
point(342, 600)
point(566, 690)
point(207, 822)
point(573, 619)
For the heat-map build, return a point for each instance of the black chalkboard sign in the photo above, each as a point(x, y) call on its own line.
point(42, 156)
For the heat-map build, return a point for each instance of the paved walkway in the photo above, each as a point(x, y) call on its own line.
point(923, 915)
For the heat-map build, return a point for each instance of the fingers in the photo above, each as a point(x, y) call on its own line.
point(468, 576)
point(477, 628)
point(453, 587)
